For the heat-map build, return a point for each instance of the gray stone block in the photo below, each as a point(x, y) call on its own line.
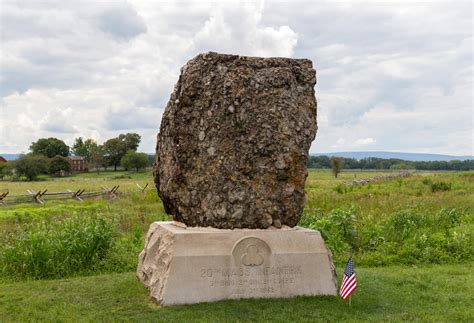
point(182, 265)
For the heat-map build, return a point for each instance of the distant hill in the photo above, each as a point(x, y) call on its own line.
point(399, 155)
point(10, 156)
point(356, 155)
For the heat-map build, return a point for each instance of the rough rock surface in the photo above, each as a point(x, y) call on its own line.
point(154, 260)
point(234, 141)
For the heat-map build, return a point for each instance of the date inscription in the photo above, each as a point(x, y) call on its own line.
point(251, 280)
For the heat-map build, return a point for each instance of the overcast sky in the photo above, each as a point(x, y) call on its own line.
point(393, 76)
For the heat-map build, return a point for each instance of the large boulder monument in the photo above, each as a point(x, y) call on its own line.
point(230, 169)
point(234, 140)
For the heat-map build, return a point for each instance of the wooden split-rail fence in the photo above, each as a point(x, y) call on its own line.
point(42, 196)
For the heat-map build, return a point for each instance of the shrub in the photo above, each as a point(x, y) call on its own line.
point(421, 237)
point(121, 177)
point(440, 186)
point(340, 188)
point(58, 165)
point(343, 188)
point(371, 236)
point(448, 218)
point(427, 181)
point(31, 166)
point(5, 170)
point(337, 229)
point(406, 236)
point(134, 160)
point(57, 249)
point(401, 224)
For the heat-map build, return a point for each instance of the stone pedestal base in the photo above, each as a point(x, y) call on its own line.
point(182, 265)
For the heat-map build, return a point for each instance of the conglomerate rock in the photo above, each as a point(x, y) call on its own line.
point(234, 141)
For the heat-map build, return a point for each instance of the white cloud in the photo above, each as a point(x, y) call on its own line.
point(399, 73)
point(58, 120)
point(360, 143)
point(121, 22)
point(235, 27)
point(365, 141)
point(340, 142)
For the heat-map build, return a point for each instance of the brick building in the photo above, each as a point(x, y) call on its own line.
point(78, 163)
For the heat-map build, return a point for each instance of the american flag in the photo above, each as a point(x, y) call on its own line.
point(349, 282)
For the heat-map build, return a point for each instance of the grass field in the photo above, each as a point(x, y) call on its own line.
point(430, 293)
point(412, 241)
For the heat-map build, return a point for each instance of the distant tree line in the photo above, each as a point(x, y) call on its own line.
point(111, 152)
point(391, 163)
point(50, 156)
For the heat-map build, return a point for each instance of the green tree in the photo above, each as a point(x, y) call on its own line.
point(97, 158)
point(59, 164)
point(134, 160)
point(50, 147)
point(5, 170)
point(83, 147)
point(337, 164)
point(151, 160)
point(30, 166)
point(130, 140)
point(116, 148)
point(403, 165)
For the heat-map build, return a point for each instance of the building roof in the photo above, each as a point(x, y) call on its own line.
point(2, 160)
point(77, 158)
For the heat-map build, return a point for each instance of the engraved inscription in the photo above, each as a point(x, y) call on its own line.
point(247, 280)
point(253, 271)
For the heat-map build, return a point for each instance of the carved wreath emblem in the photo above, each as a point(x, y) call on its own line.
point(252, 256)
point(251, 251)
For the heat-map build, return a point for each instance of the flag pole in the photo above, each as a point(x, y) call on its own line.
point(350, 297)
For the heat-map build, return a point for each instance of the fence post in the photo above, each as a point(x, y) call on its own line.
point(2, 197)
point(142, 189)
point(37, 196)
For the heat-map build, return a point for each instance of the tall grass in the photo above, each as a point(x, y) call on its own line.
point(400, 221)
point(406, 236)
point(76, 245)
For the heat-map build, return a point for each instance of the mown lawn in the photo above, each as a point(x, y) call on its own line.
point(428, 293)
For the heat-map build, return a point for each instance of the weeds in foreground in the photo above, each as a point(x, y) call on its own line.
point(407, 236)
point(76, 245)
point(392, 222)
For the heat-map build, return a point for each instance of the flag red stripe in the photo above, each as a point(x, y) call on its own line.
point(345, 282)
point(344, 279)
point(347, 285)
point(349, 293)
point(348, 282)
point(349, 290)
